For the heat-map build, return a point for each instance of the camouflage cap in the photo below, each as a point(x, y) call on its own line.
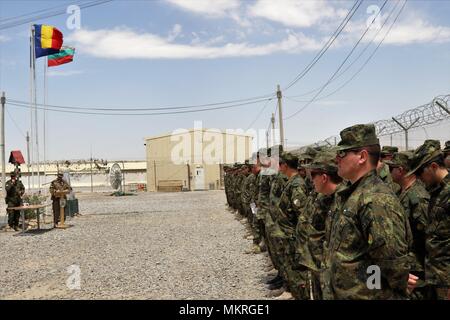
point(308, 154)
point(388, 150)
point(290, 159)
point(401, 159)
point(12, 173)
point(325, 160)
point(447, 146)
point(358, 136)
point(60, 174)
point(430, 150)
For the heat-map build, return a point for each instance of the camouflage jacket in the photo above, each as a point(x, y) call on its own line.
point(292, 202)
point(369, 228)
point(386, 176)
point(57, 185)
point(14, 192)
point(276, 189)
point(310, 231)
point(437, 262)
point(256, 189)
point(265, 182)
point(248, 189)
point(415, 201)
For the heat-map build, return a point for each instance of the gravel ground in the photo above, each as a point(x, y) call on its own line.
point(149, 246)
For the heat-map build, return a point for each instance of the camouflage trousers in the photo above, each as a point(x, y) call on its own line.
point(13, 215)
point(298, 280)
point(274, 245)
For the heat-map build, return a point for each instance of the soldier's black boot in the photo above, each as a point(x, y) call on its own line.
point(276, 285)
point(276, 279)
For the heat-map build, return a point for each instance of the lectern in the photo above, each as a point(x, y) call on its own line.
point(61, 195)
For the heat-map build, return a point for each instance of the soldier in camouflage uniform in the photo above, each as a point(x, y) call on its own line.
point(274, 244)
point(447, 154)
point(428, 165)
point(256, 168)
point(226, 182)
point(247, 191)
point(263, 201)
point(383, 169)
point(59, 184)
point(233, 178)
point(243, 173)
point(369, 227)
point(14, 192)
point(311, 227)
point(291, 204)
point(415, 200)
point(304, 159)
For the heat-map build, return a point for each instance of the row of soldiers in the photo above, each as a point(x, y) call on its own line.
point(349, 222)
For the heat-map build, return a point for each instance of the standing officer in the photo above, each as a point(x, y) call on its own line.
point(58, 185)
point(447, 154)
point(14, 192)
point(428, 166)
point(370, 231)
point(387, 153)
point(415, 200)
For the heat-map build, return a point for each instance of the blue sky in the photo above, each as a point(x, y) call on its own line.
point(174, 53)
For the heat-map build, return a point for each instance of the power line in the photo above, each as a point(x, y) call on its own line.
point(338, 69)
point(27, 106)
point(35, 12)
point(144, 108)
point(259, 114)
point(15, 123)
point(23, 21)
point(330, 41)
point(352, 63)
point(365, 62)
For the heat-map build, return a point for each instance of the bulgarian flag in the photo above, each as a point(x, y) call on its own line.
point(47, 40)
point(65, 55)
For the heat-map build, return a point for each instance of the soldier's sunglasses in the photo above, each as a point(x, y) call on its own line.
point(343, 153)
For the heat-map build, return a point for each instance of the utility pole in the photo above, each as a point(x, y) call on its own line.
point(28, 159)
point(272, 120)
point(92, 186)
point(280, 113)
point(2, 145)
point(267, 139)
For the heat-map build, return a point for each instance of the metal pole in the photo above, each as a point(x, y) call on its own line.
point(36, 117)
point(267, 139)
point(28, 159)
point(405, 129)
point(189, 176)
point(442, 106)
point(45, 127)
point(280, 113)
point(31, 108)
point(92, 186)
point(2, 144)
point(154, 172)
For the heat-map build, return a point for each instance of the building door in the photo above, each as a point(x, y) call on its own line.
point(199, 179)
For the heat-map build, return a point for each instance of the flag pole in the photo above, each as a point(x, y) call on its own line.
point(45, 116)
point(31, 108)
point(36, 118)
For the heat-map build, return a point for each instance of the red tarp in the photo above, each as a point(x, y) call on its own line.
point(16, 157)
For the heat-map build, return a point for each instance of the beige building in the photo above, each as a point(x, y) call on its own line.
point(193, 159)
